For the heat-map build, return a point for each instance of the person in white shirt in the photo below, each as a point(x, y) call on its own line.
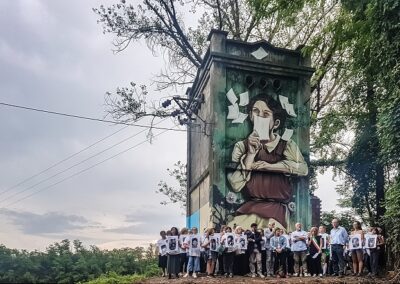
point(299, 249)
point(339, 238)
point(269, 256)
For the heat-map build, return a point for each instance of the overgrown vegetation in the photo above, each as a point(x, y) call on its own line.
point(64, 262)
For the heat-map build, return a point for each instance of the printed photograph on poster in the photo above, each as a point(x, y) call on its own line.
point(162, 247)
point(173, 242)
point(194, 244)
point(323, 242)
point(182, 239)
point(242, 242)
point(214, 243)
point(370, 241)
point(230, 240)
point(355, 242)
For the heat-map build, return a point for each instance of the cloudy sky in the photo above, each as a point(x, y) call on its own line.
point(53, 55)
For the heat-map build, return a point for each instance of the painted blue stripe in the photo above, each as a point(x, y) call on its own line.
point(193, 220)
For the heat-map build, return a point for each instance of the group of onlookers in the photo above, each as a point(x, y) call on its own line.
point(271, 252)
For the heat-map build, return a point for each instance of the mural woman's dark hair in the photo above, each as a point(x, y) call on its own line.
point(274, 105)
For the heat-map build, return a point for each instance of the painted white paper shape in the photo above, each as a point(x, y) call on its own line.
point(287, 134)
point(231, 96)
point(260, 53)
point(290, 110)
point(261, 126)
point(284, 101)
point(244, 99)
point(241, 118)
point(233, 111)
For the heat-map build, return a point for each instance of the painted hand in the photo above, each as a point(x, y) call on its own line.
point(261, 165)
point(254, 143)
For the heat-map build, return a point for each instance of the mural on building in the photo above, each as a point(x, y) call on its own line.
point(266, 161)
point(249, 140)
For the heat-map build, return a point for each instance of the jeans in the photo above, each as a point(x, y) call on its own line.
point(338, 259)
point(255, 257)
point(228, 261)
point(196, 261)
point(300, 256)
point(280, 263)
point(269, 261)
point(374, 255)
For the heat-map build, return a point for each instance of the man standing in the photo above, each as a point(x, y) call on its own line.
point(339, 239)
point(254, 247)
point(269, 232)
point(299, 249)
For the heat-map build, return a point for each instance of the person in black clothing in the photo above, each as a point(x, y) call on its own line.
point(314, 258)
point(254, 248)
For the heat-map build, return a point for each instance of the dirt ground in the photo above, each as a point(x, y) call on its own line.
point(239, 279)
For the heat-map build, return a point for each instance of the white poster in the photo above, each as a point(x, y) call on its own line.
point(162, 246)
point(355, 242)
point(242, 242)
point(173, 244)
point(214, 243)
point(370, 241)
point(230, 240)
point(194, 245)
point(323, 241)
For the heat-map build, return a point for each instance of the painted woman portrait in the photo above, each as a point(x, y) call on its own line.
point(264, 166)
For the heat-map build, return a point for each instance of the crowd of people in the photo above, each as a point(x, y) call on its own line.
point(272, 252)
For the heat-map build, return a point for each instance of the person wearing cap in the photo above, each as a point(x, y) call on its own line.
point(254, 248)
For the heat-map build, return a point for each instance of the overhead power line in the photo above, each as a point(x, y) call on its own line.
point(89, 118)
point(73, 166)
point(82, 171)
point(62, 161)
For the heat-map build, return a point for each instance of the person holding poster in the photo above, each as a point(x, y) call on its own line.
point(241, 264)
point(162, 252)
point(371, 241)
point(229, 252)
point(254, 249)
point(325, 249)
point(173, 263)
point(357, 253)
point(192, 243)
point(211, 255)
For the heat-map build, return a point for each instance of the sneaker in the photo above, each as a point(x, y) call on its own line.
point(231, 275)
point(194, 275)
point(186, 275)
point(261, 276)
point(307, 274)
point(226, 275)
point(253, 275)
point(320, 275)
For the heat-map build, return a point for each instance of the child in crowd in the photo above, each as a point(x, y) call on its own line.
point(162, 252)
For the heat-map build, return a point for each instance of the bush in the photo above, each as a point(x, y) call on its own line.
point(114, 278)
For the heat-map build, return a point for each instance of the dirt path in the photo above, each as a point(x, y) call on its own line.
point(239, 279)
